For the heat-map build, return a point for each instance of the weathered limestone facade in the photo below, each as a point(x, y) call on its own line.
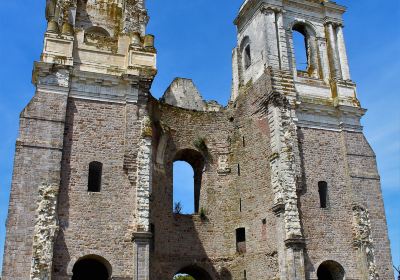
point(285, 162)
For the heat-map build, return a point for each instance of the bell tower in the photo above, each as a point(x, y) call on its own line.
point(265, 37)
point(97, 65)
point(304, 106)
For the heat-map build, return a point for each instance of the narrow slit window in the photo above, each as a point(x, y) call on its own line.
point(241, 240)
point(95, 173)
point(153, 237)
point(323, 194)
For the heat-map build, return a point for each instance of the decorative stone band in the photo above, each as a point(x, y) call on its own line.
point(363, 239)
point(45, 232)
point(144, 176)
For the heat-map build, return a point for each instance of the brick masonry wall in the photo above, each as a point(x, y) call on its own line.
point(346, 162)
point(185, 240)
point(37, 161)
point(97, 223)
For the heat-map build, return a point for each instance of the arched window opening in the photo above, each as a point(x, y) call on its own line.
point(95, 173)
point(192, 273)
point(91, 267)
point(241, 240)
point(187, 175)
point(245, 51)
point(330, 270)
point(323, 194)
point(305, 50)
point(300, 51)
point(247, 57)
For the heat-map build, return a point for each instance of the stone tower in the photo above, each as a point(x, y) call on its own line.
point(285, 184)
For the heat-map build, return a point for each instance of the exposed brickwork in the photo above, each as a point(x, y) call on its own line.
point(257, 162)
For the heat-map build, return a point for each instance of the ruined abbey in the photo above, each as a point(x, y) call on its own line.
point(285, 184)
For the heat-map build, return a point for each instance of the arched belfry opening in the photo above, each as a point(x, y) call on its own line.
point(194, 167)
point(330, 270)
point(192, 273)
point(91, 268)
point(305, 49)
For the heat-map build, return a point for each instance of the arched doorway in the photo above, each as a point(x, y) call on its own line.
point(330, 270)
point(192, 273)
point(91, 268)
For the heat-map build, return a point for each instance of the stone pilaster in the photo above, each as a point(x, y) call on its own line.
point(144, 176)
point(141, 247)
point(282, 41)
point(284, 184)
point(323, 58)
point(272, 37)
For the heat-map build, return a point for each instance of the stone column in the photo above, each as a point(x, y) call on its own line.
point(323, 57)
point(141, 247)
point(344, 64)
point(332, 51)
point(313, 53)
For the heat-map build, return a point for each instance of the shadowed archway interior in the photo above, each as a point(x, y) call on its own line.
point(330, 270)
point(90, 269)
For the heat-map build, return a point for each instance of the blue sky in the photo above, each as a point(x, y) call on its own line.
point(194, 39)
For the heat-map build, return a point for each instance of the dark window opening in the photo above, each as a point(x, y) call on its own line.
point(95, 172)
point(323, 193)
point(245, 274)
point(240, 205)
point(243, 141)
point(264, 221)
point(153, 237)
point(90, 268)
point(247, 57)
point(241, 240)
point(238, 169)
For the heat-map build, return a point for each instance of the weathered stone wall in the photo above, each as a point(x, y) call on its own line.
point(36, 163)
point(254, 168)
point(97, 223)
point(234, 194)
point(327, 231)
point(367, 194)
point(346, 162)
